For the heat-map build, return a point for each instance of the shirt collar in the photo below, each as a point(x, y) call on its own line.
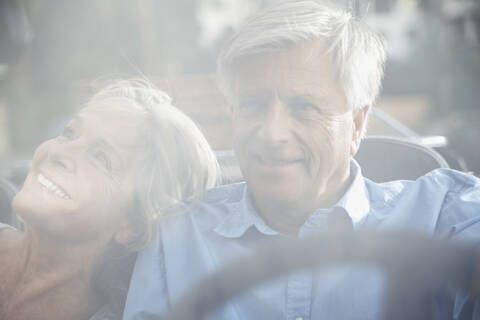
point(242, 215)
point(356, 200)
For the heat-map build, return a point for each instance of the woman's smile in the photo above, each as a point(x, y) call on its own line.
point(52, 187)
point(91, 199)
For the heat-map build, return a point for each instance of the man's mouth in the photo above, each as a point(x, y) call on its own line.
point(52, 187)
point(273, 161)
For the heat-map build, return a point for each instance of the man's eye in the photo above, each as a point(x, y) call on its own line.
point(305, 109)
point(304, 106)
point(250, 107)
point(102, 159)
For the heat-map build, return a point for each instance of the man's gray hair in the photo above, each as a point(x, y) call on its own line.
point(357, 51)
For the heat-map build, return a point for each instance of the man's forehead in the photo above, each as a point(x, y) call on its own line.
point(303, 53)
point(304, 57)
point(304, 69)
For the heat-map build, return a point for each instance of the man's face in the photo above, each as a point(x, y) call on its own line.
point(293, 131)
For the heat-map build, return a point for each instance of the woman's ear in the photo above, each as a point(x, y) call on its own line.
point(359, 123)
point(123, 235)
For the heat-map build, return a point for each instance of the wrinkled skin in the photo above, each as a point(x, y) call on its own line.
point(294, 134)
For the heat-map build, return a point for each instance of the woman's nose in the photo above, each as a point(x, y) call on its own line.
point(62, 162)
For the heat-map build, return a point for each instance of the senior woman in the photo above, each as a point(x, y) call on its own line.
point(89, 201)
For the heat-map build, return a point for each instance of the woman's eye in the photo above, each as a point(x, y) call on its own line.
point(103, 160)
point(68, 133)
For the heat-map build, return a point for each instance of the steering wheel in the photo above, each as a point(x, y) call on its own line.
point(414, 264)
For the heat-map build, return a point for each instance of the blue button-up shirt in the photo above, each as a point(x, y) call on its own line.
point(195, 242)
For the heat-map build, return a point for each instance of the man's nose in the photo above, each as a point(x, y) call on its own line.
point(275, 126)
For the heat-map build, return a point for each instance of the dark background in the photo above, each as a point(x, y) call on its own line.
point(54, 52)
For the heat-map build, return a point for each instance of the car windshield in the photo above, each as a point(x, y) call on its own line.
point(55, 54)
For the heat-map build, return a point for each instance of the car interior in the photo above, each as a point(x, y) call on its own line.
point(382, 158)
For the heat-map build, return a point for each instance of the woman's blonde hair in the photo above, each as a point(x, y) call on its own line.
point(178, 162)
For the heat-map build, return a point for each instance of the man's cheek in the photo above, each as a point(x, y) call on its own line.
point(322, 138)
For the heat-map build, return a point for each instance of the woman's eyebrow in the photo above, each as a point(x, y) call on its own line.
point(78, 119)
point(99, 142)
point(105, 145)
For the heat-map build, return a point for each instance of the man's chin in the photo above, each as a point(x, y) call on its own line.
point(274, 193)
point(277, 171)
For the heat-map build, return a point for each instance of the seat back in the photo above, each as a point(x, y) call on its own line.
point(381, 159)
point(7, 192)
point(389, 158)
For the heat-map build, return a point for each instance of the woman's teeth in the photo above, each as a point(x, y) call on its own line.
point(52, 187)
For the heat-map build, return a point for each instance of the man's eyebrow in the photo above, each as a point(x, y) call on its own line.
point(307, 97)
point(254, 93)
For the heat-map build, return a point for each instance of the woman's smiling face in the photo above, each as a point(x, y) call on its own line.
point(82, 182)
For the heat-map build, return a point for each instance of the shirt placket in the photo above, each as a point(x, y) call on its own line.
point(299, 286)
point(299, 296)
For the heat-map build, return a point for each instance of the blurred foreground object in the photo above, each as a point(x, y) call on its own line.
point(414, 265)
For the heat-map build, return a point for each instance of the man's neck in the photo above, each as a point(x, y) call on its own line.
point(288, 217)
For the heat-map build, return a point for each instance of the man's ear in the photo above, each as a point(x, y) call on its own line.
point(359, 122)
point(231, 109)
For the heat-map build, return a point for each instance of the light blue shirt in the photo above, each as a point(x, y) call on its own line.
point(224, 225)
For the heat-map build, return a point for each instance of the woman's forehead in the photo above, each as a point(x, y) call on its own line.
point(113, 112)
point(114, 105)
point(120, 125)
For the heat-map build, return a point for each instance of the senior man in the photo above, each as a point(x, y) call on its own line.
point(301, 77)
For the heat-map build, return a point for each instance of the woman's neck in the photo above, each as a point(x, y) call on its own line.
point(43, 270)
point(46, 254)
